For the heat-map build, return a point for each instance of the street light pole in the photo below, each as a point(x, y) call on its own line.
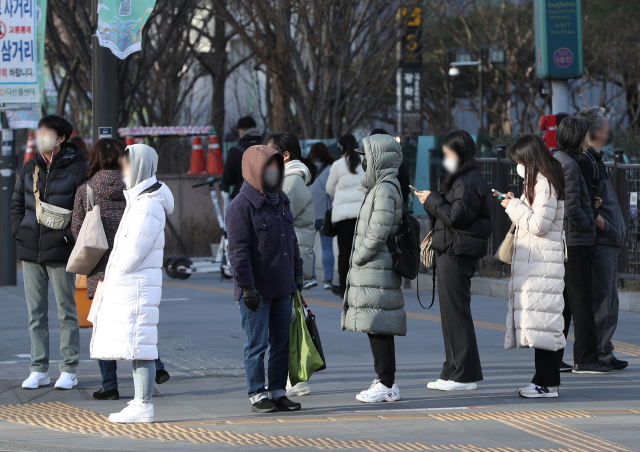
point(104, 87)
point(7, 181)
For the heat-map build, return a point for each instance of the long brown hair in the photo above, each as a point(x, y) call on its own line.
point(531, 151)
point(104, 156)
point(320, 152)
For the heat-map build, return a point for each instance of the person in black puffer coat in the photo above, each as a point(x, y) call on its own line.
point(44, 252)
point(580, 230)
point(232, 173)
point(461, 213)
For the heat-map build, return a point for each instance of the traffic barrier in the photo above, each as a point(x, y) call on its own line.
point(30, 151)
point(214, 156)
point(197, 157)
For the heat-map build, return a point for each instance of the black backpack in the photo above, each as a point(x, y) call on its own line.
point(405, 246)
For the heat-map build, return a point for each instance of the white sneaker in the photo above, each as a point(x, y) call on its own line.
point(434, 384)
point(309, 283)
point(301, 389)
point(136, 411)
point(449, 385)
point(526, 388)
point(35, 380)
point(66, 381)
point(536, 392)
point(379, 393)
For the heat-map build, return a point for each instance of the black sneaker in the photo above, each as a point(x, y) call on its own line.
point(591, 368)
point(265, 405)
point(284, 404)
point(111, 394)
point(162, 376)
point(615, 363)
point(564, 367)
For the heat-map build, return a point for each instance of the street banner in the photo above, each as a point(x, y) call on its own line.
point(19, 66)
point(558, 27)
point(120, 24)
point(180, 131)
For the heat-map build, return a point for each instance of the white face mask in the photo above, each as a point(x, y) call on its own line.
point(451, 165)
point(45, 143)
point(521, 171)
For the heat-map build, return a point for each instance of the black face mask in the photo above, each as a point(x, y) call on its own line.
point(364, 164)
point(610, 139)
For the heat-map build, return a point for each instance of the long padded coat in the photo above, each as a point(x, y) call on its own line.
point(373, 301)
point(537, 272)
point(296, 178)
point(126, 325)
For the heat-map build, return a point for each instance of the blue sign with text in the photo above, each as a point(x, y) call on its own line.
point(558, 26)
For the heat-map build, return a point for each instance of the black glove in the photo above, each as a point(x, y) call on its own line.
point(251, 297)
point(299, 283)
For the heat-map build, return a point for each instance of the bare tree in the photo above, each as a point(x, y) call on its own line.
point(329, 63)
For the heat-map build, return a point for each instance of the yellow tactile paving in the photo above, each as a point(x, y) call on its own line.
point(61, 416)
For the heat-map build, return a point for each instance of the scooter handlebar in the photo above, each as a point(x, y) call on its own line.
point(209, 182)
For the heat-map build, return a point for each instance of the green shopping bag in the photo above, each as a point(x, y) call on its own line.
point(304, 359)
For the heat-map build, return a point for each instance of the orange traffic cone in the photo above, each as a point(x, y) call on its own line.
point(30, 151)
point(197, 157)
point(129, 141)
point(214, 156)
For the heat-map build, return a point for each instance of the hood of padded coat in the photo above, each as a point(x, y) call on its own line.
point(297, 168)
point(254, 161)
point(384, 157)
point(154, 190)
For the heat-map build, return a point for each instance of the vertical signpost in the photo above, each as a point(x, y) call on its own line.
point(558, 27)
point(409, 75)
point(104, 84)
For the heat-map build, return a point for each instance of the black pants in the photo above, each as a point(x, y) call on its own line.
point(454, 295)
point(384, 357)
point(578, 302)
point(547, 368)
point(345, 230)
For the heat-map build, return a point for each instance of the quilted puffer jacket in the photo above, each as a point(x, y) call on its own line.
point(343, 185)
point(579, 224)
point(373, 301)
point(296, 178)
point(126, 325)
point(537, 272)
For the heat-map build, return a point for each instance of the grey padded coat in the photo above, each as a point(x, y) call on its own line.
point(579, 223)
point(373, 301)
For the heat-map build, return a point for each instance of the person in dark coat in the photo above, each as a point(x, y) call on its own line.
point(232, 173)
point(58, 170)
point(267, 269)
point(105, 179)
point(580, 232)
point(461, 213)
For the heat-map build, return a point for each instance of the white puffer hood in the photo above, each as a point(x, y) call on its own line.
point(296, 167)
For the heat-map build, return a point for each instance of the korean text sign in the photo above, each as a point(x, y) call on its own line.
point(18, 61)
point(558, 27)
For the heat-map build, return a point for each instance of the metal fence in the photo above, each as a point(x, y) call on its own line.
point(500, 173)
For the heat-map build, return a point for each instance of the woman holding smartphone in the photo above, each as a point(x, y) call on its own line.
point(537, 270)
point(461, 213)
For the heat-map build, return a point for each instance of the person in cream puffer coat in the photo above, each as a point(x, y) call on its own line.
point(536, 301)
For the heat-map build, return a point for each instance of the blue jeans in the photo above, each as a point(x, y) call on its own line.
point(327, 254)
point(268, 327)
point(144, 373)
point(108, 369)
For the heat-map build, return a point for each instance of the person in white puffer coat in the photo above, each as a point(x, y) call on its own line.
point(125, 326)
point(343, 185)
point(537, 271)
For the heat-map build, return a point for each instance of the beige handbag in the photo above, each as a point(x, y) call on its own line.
point(92, 241)
point(51, 216)
point(427, 253)
point(505, 250)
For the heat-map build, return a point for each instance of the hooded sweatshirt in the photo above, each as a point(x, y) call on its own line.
point(263, 248)
point(296, 179)
point(127, 318)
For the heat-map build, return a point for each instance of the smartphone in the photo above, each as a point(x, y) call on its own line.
point(413, 188)
point(501, 196)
